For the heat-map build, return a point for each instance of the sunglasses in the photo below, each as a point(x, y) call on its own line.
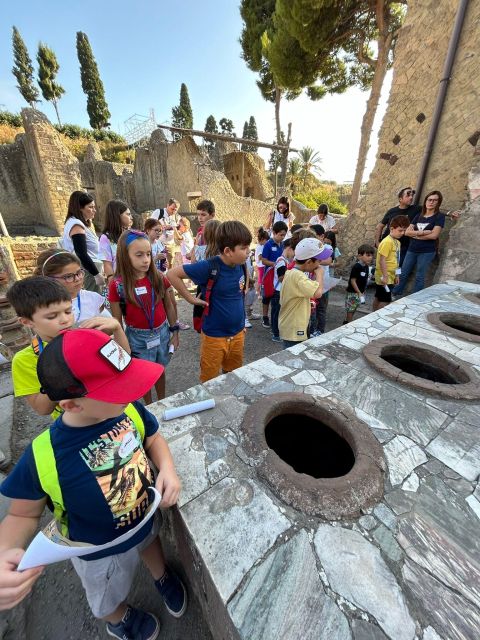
point(410, 193)
point(71, 277)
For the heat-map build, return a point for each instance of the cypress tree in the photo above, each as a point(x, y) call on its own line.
point(23, 69)
point(245, 134)
point(92, 86)
point(210, 127)
point(182, 115)
point(47, 70)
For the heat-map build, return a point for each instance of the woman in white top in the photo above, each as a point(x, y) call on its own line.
point(117, 220)
point(283, 214)
point(79, 237)
point(324, 218)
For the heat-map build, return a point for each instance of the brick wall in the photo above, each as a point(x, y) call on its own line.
point(26, 250)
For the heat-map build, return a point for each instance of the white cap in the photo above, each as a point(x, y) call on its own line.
point(312, 248)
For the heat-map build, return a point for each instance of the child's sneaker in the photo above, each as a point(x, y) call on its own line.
point(276, 339)
point(135, 625)
point(266, 322)
point(248, 324)
point(173, 592)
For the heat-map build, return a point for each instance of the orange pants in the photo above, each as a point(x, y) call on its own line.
point(225, 354)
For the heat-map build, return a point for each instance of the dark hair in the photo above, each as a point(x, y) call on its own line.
point(30, 294)
point(113, 226)
point(287, 243)
point(279, 226)
point(318, 229)
point(262, 235)
point(173, 201)
point(296, 227)
point(206, 205)
point(323, 208)
point(399, 221)
point(365, 249)
point(78, 200)
point(284, 200)
point(332, 237)
point(51, 261)
point(125, 270)
point(231, 234)
point(210, 238)
point(151, 223)
point(437, 207)
point(301, 235)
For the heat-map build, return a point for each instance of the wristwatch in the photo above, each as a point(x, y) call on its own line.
point(174, 328)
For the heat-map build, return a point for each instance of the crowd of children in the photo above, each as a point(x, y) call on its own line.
point(91, 378)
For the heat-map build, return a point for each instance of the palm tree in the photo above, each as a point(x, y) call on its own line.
point(310, 161)
point(294, 171)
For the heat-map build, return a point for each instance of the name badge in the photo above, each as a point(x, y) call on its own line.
point(154, 342)
point(140, 290)
point(362, 273)
point(398, 271)
point(274, 248)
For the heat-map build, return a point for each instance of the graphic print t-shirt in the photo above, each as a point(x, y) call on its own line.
point(104, 475)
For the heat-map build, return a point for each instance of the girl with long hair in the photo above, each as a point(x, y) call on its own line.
point(117, 220)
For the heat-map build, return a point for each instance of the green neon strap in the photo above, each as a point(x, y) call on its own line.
point(136, 418)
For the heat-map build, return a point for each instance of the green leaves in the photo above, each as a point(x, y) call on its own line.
point(23, 69)
point(182, 116)
point(92, 86)
point(47, 71)
point(250, 133)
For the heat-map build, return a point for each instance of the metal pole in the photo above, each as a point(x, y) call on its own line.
point(444, 82)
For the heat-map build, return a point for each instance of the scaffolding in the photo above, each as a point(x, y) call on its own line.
point(138, 129)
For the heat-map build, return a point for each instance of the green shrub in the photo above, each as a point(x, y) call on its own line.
point(312, 199)
point(12, 119)
point(73, 131)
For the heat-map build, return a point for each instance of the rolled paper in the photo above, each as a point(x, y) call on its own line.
point(187, 409)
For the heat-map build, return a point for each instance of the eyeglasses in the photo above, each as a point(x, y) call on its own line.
point(71, 277)
point(432, 199)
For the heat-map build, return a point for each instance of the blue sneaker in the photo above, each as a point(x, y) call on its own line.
point(135, 625)
point(173, 592)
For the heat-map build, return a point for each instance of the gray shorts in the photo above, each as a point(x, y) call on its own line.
point(107, 581)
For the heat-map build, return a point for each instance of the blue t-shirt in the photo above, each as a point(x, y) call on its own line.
point(271, 250)
point(427, 224)
point(226, 314)
point(103, 473)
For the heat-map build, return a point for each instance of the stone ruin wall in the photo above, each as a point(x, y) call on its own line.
point(246, 174)
point(419, 59)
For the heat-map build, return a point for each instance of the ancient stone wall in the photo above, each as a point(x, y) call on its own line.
point(24, 252)
point(112, 181)
point(246, 174)
point(420, 55)
point(19, 203)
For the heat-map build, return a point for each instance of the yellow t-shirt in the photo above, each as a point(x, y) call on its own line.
point(295, 294)
point(24, 374)
point(390, 248)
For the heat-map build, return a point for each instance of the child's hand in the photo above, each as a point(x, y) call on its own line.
point(199, 302)
point(15, 585)
point(397, 280)
point(107, 325)
point(175, 339)
point(384, 279)
point(169, 485)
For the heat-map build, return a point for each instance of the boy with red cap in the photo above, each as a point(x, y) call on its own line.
point(91, 466)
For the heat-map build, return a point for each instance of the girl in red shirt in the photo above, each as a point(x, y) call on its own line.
point(138, 292)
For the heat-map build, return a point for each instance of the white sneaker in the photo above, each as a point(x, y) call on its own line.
point(248, 324)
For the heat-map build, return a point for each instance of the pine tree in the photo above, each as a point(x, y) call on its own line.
point(23, 69)
point(47, 70)
point(252, 133)
point(245, 134)
point(92, 86)
point(227, 127)
point(210, 127)
point(182, 116)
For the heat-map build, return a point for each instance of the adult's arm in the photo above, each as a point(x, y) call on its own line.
point(80, 246)
point(429, 235)
point(378, 232)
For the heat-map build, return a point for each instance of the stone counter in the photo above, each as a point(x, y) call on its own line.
point(408, 567)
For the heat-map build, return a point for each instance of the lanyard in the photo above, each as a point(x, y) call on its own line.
point(397, 250)
point(37, 345)
point(150, 315)
point(79, 307)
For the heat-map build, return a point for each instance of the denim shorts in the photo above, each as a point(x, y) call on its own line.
point(138, 339)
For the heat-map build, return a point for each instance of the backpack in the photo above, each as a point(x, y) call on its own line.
point(199, 311)
point(267, 282)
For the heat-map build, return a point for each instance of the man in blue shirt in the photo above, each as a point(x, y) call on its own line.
point(223, 327)
point(272, 250)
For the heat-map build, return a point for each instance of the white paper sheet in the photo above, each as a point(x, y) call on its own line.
point(43, 550)
point(329, 283)
point(187, 409)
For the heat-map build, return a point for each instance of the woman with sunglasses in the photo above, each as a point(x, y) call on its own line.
point(65, 267)
point(424, 233)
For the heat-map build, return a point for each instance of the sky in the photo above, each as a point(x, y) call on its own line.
point(146, 49)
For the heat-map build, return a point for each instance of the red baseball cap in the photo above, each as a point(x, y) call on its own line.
point(86, 363)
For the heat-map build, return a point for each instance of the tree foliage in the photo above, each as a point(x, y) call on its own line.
point(309, 161)
point(250, 133)
point(47, 72)
point(23, 69)
point(92, 85)
point(210, 127)
point(182, 115)
point(227, 127)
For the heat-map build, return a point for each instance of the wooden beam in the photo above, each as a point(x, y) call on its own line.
point(219, 136)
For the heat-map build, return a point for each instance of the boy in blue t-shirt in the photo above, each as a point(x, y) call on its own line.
point(272, 250)
point(91, 468)
point(223, 328)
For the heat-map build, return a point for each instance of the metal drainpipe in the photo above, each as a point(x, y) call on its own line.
point(444, 82)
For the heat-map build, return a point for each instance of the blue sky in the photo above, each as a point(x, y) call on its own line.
point(146, 49)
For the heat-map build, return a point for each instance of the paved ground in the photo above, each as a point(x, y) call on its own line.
point(57, 610)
